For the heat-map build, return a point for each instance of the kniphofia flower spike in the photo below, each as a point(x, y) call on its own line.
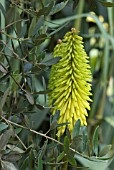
point(70, 82)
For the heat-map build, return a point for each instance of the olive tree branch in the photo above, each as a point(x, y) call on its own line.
point(41, 134)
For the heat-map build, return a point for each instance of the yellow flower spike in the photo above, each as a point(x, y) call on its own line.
point(69, 82)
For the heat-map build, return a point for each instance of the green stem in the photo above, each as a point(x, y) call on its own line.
point(110, 18)
point(64, 166)
point(2, 17)
point(42, 3)
point(77, 22)
point(53, 168)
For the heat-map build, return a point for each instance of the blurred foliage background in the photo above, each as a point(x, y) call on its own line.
point(29, 30)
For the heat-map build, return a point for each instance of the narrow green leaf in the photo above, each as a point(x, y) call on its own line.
point(38, 25)
point(85, 139)
point(18, 130)
point(27, 121)
point(17, 77)
point(95, 141)
point(75, 4)
point(105, 158)
point(53, 120)
point(110, 120)
point(76, 129)
point(53, 125)
point(11, 157)
point(66, 145)
point(58, 29)
point(44, 87)
point(39, 106)
point(2, 10)
point(58, 7)
point(44, 147)
point(51, 61)
point(46, 10)
point(105, 150)
point(29, 98)
point(82, 168)
point(44, 82)
point(40, 39)
point(14, 148)
point(62, 124)
point(40, 163)
point(107, 4)
point(52, 145)
point(61, 156)
point(42, 92)
point(18, 24)
point(10, 15)
point(31, 159)
point(8, 165)
point(24, 163)
point(5, 138)
point(5, 97)
point(72, 160)
point(56, 116)
point(3, 126)
point(32, 26)
point(76, 142)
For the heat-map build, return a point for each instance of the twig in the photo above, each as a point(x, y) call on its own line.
point(7, 26)
point(14, 38)
point(20, 141)
point(16, 55)
point(27, 11)
point(45, 136)
point(47, 132)
point(13, 78)
point(16, 135)
point(49, 163)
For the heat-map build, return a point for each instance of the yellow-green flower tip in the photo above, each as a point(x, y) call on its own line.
point(70, 82)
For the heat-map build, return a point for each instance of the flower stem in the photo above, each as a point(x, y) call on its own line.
point(53, 168)
point(64, 166)
point(77, 22)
